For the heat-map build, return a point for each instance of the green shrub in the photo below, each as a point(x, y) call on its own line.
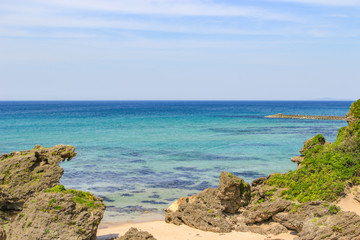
point(355, 109)
point(326, 169)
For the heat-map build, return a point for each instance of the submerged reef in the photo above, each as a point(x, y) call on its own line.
point(302, 200)
point(34, 206)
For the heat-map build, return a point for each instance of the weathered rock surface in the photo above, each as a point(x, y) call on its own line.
point(263, 211)
point(203, 211)
point(342, 226)
point(233, 192)
point(296, 218)
point(266, 228)
point(135, 234)
point(2, 234)
point(357, 196)
point(24, 173)
point(261, 191)
point(66, 214)
point(208, 210)
point(297, 159)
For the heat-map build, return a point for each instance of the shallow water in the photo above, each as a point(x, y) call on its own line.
point(140, 156)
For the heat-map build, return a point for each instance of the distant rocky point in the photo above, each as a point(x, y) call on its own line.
point(280, 115)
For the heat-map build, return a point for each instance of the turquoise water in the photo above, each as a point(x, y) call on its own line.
point(140, 156)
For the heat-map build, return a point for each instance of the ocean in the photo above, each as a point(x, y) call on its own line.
point(142, 155)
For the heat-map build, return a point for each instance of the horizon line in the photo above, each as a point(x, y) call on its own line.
point(170, 100)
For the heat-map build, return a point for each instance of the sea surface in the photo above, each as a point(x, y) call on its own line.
point(142, 155)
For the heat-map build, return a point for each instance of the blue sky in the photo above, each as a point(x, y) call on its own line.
point(179, 50)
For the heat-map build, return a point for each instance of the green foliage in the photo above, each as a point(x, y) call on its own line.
point(56, 189)
point(314, 144)
point(355, 109)
point(334, 209)
point(326, 169)
point(270, 192)
point(84, 198)
point(337, 228)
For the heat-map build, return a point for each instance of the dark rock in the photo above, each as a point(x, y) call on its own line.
point(2, 234)
point(341, 226)
point(258, 181)
point(263, 211)
point(70, 214)
point(24, 173)
point(135, 234)
point(262, 192)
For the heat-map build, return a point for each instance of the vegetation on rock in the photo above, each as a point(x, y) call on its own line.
point(84, 198)
point(326, 169)
point(355, 110)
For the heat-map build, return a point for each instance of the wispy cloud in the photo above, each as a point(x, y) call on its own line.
point(25, 18)
point(323, 2)
point(172, 8)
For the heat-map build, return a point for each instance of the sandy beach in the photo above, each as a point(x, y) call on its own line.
point(164, 231)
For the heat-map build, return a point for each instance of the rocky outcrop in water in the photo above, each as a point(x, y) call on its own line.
point(135, 234)
point(34, 206)
point(24, 173)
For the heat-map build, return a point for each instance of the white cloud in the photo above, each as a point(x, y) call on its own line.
point(324, 2)
point(152, 7)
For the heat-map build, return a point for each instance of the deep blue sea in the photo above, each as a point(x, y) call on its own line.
point(142, 155)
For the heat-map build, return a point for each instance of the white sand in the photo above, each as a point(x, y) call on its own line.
point(348, 203)
point(165, 231)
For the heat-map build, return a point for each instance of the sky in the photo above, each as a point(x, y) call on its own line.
point(179, 49)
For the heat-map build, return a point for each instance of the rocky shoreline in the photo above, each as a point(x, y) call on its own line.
point(34, 206)
point(301, 200)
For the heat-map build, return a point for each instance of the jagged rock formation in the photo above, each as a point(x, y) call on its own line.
point(59, 214)
point(263, 211)
point(299, 214)
point(297, 159)
point(299, 200)
point(29, 182)
point(24, 173)
point(135, 234)
point(344, 226)
point(208, 210)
